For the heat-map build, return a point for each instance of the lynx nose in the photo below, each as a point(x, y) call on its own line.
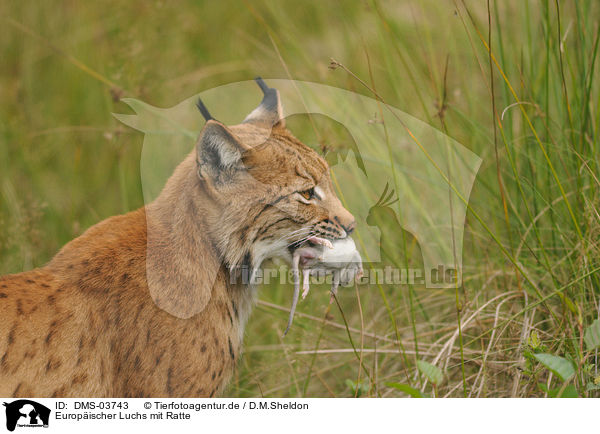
point(345, 220)
point(350, 228)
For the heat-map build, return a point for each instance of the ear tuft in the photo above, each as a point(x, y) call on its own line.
point(270, 111)
point(203, 110)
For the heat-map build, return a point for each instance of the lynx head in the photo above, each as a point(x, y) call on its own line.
point(271, 192)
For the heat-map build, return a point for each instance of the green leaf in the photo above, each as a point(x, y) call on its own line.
point(357, 389)
point(569, 392)
point(558, 365)
point(406, 389)
point(570, 304)
point(591, 336)
point(592, 386)
point(534, 340)
point(432, 372)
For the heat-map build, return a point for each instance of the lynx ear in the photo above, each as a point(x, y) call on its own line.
point(270, 111)
point(219, 152)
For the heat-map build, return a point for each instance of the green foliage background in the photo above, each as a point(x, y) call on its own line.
point(531, 110)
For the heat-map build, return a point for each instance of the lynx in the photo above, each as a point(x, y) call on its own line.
point(144, 304)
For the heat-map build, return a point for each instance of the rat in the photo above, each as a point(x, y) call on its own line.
point(321, 256)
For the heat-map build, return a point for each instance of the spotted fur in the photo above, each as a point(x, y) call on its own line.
point(143, 304)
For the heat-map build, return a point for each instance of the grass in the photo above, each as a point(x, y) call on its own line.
point(529, 106)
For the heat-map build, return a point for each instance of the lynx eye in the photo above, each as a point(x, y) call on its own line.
point(308, 194)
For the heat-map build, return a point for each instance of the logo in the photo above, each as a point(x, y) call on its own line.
point(398, 176)
point(26, 414)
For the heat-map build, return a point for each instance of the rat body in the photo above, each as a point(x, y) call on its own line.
point(321, 257)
